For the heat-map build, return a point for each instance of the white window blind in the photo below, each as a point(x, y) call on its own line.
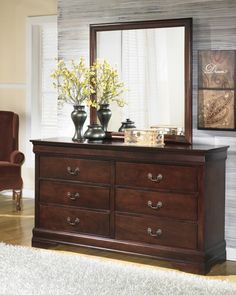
point(47, 94)
point(47, 118)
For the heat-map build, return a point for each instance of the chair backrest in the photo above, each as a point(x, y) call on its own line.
point(9, 128)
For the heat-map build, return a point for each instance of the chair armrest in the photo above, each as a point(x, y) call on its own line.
point(17, 157)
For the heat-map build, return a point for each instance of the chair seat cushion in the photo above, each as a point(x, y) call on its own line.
point(10, 176)
point(8, 169)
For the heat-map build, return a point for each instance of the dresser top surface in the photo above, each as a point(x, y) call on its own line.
point(64, 141)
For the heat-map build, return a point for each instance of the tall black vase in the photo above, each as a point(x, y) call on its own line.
point(104, 115)
point(78, 117)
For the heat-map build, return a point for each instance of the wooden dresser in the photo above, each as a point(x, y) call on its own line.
point(166, 203)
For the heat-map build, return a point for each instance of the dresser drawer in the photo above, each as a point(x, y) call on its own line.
point(155, 176)
point(74, 194)
point(74, 220)
point(157, 203)
point(76, 169)
point(156, 231)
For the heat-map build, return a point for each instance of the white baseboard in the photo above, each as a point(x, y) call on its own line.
point(231, 254)
point(27, 193)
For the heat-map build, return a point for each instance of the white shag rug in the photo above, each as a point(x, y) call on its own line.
point(28, 271)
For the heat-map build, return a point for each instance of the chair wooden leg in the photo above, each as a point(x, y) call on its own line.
point(18, 197)
point(13, 195)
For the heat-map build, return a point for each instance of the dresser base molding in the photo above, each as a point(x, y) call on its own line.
point(192, 261)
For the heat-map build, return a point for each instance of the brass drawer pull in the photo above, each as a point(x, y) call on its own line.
point(73, 196)
point(73, 172)
point(73, 223)
point(157, 179)
point(158, 205)
point(158, 233)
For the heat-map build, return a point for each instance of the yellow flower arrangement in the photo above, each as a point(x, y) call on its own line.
point(73, 83)
point(105, 84)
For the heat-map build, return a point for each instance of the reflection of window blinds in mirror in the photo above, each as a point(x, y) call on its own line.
point(153, 72)
point(151, 64)
point(48, 95)
point(133, 73)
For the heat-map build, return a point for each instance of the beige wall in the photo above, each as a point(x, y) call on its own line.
point(13, 63)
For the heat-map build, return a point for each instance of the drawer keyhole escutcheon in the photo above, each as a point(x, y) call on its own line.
point(157, 178)
point(73, 223)
point(158, 233)
point(73, 172)
point(73, 196)
point(158, 205)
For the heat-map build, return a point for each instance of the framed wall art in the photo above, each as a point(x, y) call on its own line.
point(216, 89)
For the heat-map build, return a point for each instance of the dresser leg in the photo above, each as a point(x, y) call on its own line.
point(200, 269)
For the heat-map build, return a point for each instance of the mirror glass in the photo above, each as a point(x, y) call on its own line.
point(154, 60)
point(150, 62)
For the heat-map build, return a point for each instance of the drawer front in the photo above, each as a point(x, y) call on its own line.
point(156, 231)
point(76, 169)
point(157, 203)
point(157, 176)
point(74, 194)
point(74, 220)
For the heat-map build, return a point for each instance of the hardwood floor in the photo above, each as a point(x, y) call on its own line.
point(16, 228)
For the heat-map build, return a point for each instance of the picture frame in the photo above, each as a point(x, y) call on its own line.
point(216, 89)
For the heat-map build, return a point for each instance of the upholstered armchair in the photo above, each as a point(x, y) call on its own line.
point(11, 159)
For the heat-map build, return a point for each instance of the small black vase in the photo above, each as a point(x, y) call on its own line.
point(78, 117)
point(104, 115)
point(95, 132)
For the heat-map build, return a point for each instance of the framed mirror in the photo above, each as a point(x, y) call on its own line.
point(154, 60)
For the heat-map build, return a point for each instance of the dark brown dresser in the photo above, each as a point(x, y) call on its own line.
point(161, 202)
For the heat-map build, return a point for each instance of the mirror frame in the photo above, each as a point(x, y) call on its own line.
point(184, 22)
